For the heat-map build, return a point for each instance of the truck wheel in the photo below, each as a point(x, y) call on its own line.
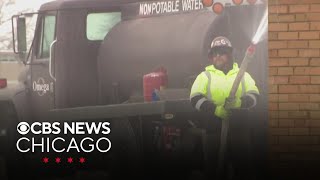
point(126, 150)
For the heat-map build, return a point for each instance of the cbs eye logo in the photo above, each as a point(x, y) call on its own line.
point(23, 128)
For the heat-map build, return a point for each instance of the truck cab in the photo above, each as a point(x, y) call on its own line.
point(63, 58)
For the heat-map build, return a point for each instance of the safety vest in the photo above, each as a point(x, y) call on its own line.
point(216, 86)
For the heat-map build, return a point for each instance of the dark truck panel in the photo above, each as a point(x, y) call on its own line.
point(82, 4)
point(122, 110)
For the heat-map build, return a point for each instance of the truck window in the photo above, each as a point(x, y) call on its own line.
point(99, 24)
point(47, 35)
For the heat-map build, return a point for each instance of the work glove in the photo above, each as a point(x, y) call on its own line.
point(248, 101)
point(230, 103)
point(222, 113)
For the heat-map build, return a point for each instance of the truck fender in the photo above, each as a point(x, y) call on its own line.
point(22, 104)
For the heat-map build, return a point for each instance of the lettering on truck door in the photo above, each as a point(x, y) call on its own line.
point(42, 70)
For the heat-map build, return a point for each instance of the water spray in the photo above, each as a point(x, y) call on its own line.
point(247, 58)
point(262, 29)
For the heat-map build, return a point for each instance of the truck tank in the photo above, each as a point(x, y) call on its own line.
point(136, 47)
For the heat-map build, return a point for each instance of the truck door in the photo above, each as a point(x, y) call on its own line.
point(42, 73)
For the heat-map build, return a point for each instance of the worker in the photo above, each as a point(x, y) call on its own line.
point(212, 86)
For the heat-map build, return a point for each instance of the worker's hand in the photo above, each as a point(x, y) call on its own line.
point(248, 101)
point(222, 113)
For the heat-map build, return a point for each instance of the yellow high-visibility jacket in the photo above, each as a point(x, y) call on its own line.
point(216, 86)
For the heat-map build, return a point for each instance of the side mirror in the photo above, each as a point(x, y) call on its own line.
point(20, 38)
point(21, 34)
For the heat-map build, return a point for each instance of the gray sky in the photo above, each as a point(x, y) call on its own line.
point(11, 7)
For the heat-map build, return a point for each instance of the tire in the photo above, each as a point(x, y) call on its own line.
point(126, 150)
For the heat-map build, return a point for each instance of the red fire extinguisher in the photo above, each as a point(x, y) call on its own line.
point(156, 80)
